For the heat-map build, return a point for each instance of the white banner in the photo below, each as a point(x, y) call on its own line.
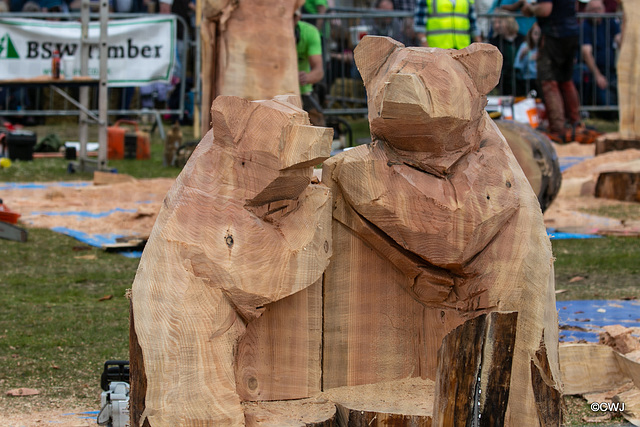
point(140, 50)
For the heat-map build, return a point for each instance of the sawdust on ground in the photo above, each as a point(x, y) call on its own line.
point(141, 200)
point(572, 210)
point(68, 418)
point(128, 208)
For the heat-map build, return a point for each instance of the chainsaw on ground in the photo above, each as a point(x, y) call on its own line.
point(114, 400)
point(8, 229)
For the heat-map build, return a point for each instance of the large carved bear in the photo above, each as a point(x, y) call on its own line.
point(434, 225)
point(241, 228)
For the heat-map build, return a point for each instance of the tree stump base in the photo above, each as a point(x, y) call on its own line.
point(615, 142)
point(406, 402)
point(300, 413)
point(537, 158)
point(620, 185)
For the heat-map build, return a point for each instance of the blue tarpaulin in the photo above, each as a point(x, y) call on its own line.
point(568, 161)
point(96, 240)
point(558, 235)
point(40, 186)
point(583, 320)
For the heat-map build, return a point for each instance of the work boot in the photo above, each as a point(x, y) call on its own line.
point(571, 102)
point(554, 105)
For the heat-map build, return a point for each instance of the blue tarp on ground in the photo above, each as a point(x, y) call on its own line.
point(84, 214)
point(557, 235)
point(96, 240)
point(567, 162)
point(582, 320)
point(41, 186)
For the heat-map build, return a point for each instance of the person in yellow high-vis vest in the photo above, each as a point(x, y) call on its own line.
point(447, 24)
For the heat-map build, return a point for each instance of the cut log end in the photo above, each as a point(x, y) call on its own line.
point(406, 402)
point(299, 413)
point(623, 186)
point(615, 142)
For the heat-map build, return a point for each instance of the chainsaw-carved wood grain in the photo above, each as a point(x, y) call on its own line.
point(241, 228)
point(628, 71)
point(279, 355)
point(250, 50)
point(314, 412)
point(436, 206)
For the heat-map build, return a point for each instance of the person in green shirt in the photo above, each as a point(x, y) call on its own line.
point(316, 7)
point(310, 66)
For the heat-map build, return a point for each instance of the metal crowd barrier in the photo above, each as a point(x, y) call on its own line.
point(342, 91)
point(584, 81)
point(39, 107)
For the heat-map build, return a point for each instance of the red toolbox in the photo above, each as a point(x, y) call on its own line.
point(123, 143)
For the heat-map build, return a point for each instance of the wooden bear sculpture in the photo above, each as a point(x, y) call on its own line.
point(435, 225)
point(242, 227)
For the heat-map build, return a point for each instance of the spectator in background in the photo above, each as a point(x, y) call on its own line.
point(447, 24)
point(407, 24)
point(511, 6)
point(54, 6)
point(525, 64)
point(31, 7)
point(600, 40)
point(315, 7)
point(611, 6)
point(391, 27)
point(128, 6)
point(507, 40)
point(483, 23)
point(558, 49)
point(581, 5)
point(159, 94)
point(310, 66)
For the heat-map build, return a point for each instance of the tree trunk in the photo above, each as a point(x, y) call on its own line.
point(629, 73)
point(620, 185)
point(250, 51)
point(614, 142)
point(537, 158)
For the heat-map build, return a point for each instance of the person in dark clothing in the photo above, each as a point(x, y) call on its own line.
point(558, 49)
point(507, 39)
point(600, 40)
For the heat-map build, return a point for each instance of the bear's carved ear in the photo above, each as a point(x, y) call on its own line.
point(483, 63)
point(229, 116)
point(371, 54)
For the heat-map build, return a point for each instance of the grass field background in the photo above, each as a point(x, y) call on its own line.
point(63, 310)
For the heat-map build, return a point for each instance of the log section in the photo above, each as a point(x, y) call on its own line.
point(248, 50)
point(629, 72)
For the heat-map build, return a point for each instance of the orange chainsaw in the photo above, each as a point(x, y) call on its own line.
point(8, 230)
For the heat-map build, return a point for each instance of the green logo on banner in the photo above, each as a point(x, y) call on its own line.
point(7, 49)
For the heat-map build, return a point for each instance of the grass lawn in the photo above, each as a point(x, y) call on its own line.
point(610, 268)
point(63, 310)
point(63, 313)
